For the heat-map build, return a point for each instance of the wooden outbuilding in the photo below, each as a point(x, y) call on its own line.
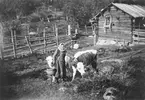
point(121, 21)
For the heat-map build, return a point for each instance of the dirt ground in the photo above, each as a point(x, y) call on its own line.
point(23, 79)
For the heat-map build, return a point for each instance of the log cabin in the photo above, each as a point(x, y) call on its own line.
point(121, 21)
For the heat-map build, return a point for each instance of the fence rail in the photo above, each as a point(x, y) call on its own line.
point(28, 45)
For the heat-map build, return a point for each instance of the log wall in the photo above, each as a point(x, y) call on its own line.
point(121, 24)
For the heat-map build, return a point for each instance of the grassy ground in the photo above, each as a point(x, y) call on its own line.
point(22, 79)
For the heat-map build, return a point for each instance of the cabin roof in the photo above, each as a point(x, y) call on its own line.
point(133, 10)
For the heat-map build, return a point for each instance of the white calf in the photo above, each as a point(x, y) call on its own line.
point(51, 65)
point(80, 68)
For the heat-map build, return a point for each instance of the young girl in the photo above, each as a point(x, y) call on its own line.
point(59, 61)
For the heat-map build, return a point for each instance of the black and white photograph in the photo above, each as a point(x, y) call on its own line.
point(72, 49)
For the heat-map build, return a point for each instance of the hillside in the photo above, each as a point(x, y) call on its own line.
point(23, 79)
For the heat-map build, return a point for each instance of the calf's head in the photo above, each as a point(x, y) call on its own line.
point(49, 60)
point(81, 68)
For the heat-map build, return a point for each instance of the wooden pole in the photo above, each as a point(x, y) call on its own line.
point(69, 34)
point(56, 34)
point(132, 30)
point(69, 30)
point(44, 36)
point(97, 29)
point(94, 34)
point(28, 44)
point(57, 39)
point(13, 41)
point(86, 29)
point(15, 38)
point(39, 34)
point(28, 31)
point(1, 41)
point(92, 27)
point(76, 31)
point(138, 33)
point(1, 51)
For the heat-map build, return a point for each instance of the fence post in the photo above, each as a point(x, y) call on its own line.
point(56, 32)
point(1, 51)
point(28, 31)
point(53, 29)
point(15, 38)
point(44, 36)
point(132, 27)
point(69, 30)
point(1, 41)
point(94, 33)
point(76, 31)
point(13, 41)
point(39, 35)
point(28, 44)
point(86, 29)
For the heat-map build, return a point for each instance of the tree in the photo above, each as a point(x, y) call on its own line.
point(100, 4)
point(80, 11)
point(10, 9)
point(59, 4)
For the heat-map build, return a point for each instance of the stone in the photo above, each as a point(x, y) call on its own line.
point(106, 70)
point(63, 89)
point(110, 94)
point(76, 46)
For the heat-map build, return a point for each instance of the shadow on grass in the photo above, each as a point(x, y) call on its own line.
point(137, 91)
point(8, 79)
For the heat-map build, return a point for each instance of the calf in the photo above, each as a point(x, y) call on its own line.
point(82, 60)
point(51, 65)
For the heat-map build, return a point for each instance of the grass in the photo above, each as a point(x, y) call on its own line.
point(17, 84)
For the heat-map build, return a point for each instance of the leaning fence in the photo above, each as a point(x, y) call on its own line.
point(24, 45)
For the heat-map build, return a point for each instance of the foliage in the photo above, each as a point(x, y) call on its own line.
point(29, 6)
point(10, 9)
point(59, 4)
point(80, 11)
point(100, 4)
point(8, 25)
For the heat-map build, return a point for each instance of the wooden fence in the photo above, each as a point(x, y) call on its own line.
point(24, 45)
point(16, 46)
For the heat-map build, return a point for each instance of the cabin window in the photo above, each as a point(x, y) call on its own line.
point(140, 23)
point(108, 22)
point(108, 19)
